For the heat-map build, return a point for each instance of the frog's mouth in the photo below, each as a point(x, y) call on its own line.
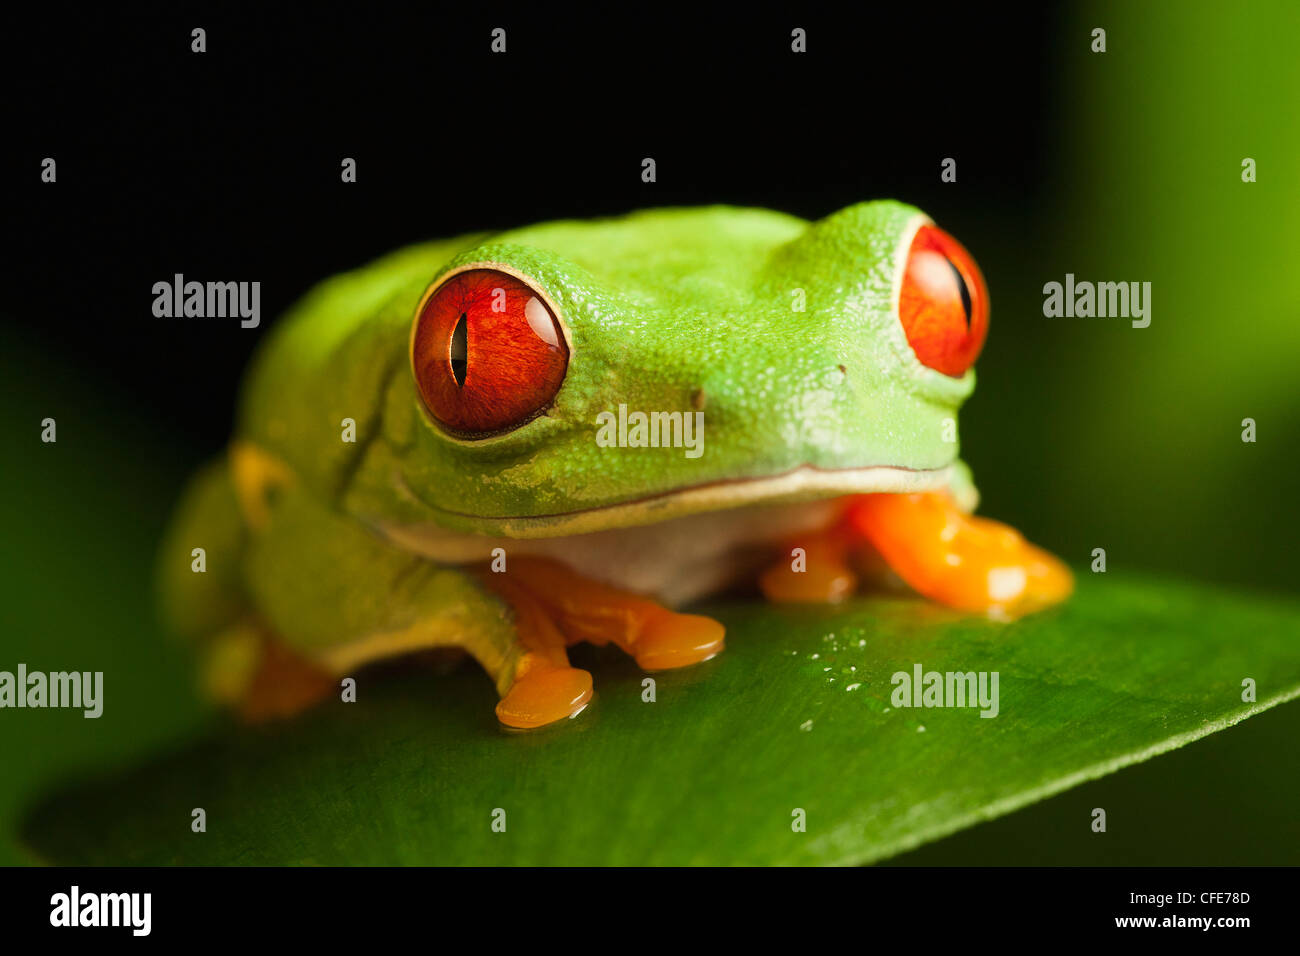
point(804, 483)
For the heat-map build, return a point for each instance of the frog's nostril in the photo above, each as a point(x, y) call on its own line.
point(699, 399)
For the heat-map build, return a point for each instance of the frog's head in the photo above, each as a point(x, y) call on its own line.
point(767, 358)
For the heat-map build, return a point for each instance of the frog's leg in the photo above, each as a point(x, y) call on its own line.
point(543, 687)
point(586, 610)
point(251, 670)
point(295, 596)
point(336, 597)
point(957, 559)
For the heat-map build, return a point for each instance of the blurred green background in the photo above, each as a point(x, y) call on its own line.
point(1129, 439)
point(1083, 433)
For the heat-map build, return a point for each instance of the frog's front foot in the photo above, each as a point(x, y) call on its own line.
point(941, 552)
point(543, 687)
point(544, 693)
point(817, 570)
point(555, 607)
point(668, 639)
point(586, 610)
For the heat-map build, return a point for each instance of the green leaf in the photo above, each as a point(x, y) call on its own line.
point(713, 770)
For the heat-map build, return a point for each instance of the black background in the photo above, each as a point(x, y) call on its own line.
point(226, 165)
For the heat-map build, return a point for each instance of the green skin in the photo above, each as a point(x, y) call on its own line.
point(672, 309)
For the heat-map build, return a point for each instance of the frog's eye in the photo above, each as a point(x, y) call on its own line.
point(487, 352)
point(944, 305)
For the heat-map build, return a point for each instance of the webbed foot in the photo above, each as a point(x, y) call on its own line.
point(586, 610)
point(555, 607)
point(941, 552)
point(544, 688)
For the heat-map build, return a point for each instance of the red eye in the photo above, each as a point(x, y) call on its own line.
point(944, 305)
point(487, 352)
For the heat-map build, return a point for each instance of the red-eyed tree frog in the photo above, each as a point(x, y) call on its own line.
point(511, 443)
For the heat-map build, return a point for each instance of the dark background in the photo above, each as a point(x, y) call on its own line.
point(226, 164)
point(1123, 166)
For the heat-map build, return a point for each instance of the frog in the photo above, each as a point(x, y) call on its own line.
point(425, 462)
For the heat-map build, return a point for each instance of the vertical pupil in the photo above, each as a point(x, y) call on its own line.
point(961, 285)
point(459, 352)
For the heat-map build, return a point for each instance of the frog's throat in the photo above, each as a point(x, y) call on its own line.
point(460, 531)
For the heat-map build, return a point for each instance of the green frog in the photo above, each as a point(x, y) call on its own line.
point(509, 443)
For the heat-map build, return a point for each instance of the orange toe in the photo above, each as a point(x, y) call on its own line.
point(677, 640)
point(1047, 580)
point(544, 695)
